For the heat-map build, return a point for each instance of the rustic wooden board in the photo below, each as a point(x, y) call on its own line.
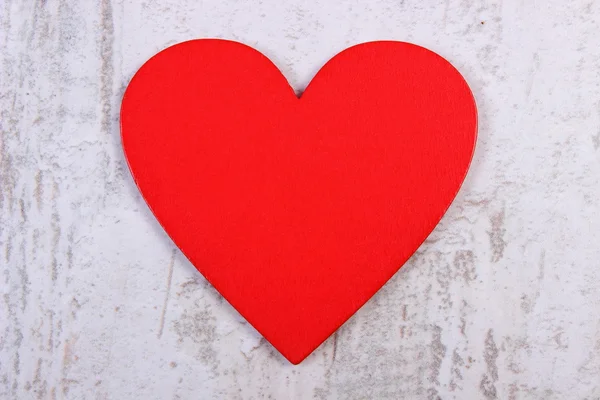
point(502, 301)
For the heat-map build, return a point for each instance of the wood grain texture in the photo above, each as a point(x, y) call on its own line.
point(501, 302)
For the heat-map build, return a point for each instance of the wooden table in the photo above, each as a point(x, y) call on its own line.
point(502, 301)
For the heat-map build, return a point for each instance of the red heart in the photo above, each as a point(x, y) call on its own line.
point(298, 210)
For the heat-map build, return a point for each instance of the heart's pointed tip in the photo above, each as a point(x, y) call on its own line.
point(294, 359)
point(296, 356)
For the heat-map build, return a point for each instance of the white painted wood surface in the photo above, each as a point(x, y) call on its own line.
point(503, 300)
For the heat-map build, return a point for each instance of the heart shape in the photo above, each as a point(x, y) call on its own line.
point(297, 210)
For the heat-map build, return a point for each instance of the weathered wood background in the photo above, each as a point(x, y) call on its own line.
point(503, 300)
